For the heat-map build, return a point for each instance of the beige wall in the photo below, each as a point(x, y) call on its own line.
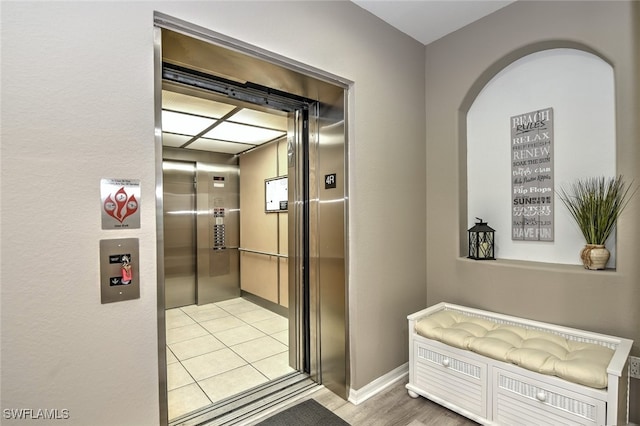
point(457, 66)
point(78, 106)
point(263, 275)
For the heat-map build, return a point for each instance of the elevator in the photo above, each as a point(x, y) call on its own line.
point(312, 245)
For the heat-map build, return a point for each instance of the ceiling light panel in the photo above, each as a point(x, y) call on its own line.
point(244, 134)
point(204, 144)
point(261, 119)
point(169, 139)
point(184, 103)
point(186, 124)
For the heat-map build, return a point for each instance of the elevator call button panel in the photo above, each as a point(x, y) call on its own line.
point(119, 270)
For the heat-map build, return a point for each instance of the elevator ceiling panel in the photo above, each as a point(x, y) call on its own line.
point(193, 105)
point(213, 145)
point(249, 116)
point(242, 133)
point(184, 124)
point(176, 141)
point(194, 122)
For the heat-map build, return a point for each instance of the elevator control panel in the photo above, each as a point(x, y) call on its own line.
point(218, 228)
point(119, 270)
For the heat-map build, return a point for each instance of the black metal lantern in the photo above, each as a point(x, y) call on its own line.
point(481, 241)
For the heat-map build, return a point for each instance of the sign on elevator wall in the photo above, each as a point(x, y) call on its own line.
point(276, 194)
point(532, 176)
point(330, 181)
point(120, 203)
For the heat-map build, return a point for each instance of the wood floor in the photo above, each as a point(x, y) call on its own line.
point(392, 407)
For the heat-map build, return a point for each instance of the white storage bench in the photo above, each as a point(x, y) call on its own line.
point(502, 370)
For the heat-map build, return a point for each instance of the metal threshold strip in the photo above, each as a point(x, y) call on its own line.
point(251, 403)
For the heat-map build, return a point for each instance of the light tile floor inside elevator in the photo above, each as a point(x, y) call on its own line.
point(221, 349)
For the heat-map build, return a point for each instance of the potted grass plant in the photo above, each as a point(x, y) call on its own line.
point(596, 204)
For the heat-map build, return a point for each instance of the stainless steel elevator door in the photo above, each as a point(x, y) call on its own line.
point(179, 233)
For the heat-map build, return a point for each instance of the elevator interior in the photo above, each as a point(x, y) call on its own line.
point(310, 250)
point(243, 343)
point(206, 138)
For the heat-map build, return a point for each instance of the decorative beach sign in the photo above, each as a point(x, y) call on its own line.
point(532, 176)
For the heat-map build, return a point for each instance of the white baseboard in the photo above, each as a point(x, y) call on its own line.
point(378, 385)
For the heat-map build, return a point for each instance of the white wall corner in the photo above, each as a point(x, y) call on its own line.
point(378, 385)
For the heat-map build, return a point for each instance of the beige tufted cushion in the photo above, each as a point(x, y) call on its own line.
point(546, 353)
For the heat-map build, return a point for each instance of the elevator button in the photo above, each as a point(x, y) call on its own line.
point(119, 266)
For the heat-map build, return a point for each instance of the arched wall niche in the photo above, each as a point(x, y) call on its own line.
point(504, 74)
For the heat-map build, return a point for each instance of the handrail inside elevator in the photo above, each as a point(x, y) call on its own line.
point(266, 253)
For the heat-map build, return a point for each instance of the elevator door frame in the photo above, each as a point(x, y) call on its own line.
point(326, 150)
